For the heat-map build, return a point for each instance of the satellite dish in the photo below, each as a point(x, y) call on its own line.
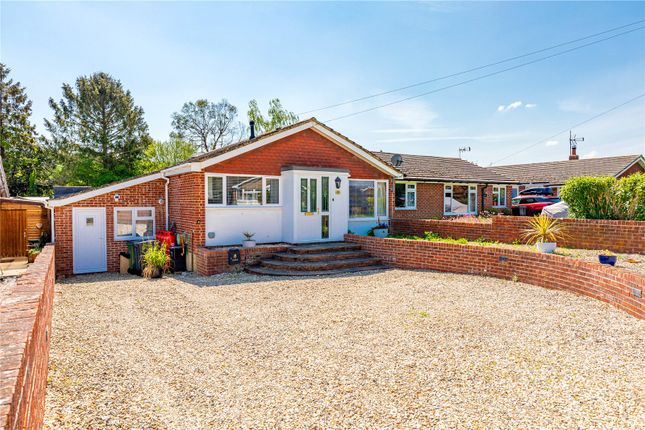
point(397, 160)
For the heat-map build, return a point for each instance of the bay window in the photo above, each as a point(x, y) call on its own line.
point(134, 223)
point(367, 199)
point(459, 199)
point(405, 195)
point(229, 190)
point(499, 196)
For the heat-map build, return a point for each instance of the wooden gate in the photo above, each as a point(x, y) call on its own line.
point(13, 233)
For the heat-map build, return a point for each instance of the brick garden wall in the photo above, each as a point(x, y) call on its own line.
point(617, 236)
point(142, 195)
point(211, 261)
point(615, 286)
point(25, 332)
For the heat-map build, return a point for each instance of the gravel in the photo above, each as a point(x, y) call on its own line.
point(392, 349)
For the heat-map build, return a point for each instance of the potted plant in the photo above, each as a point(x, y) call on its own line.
point(607, 257)
point(379, 230)
point(544, 232)
point(155, 260)
point(249, 242)
point(33, 253)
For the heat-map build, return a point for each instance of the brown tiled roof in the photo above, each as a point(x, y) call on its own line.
point(558, 172)
point(443, 169)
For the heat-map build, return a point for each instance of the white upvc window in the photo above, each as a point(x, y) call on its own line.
point(134, 223)
point(459, 199)
point(242, 190)
point(405, 195)
point(499, 196)
point(367, 199)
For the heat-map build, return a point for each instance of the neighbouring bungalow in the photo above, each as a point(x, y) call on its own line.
point(554, 174)
point(302, 183)
point(434, 187)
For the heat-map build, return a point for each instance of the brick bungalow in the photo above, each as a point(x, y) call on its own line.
point(554, 174)
point(434, 187)
point(302, 183)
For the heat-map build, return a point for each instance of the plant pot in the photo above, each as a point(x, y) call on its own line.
point(31, 258)
point(248, 244)
point(607, 259)
point(381, 232)
point(157, 273)
point(546, 247)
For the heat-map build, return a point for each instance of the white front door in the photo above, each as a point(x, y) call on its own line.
point(309, 217)
point(88, 235)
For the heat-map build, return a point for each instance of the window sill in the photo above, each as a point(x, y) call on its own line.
point(242, 207)
point(133, 238)
point(406, 209)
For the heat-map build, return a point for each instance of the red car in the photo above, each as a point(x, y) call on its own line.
point(532, 205)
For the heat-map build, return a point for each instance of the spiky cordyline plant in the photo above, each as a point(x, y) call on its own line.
point(544, 229)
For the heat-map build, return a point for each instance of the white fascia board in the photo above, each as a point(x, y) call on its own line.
point(104, 190)
point(360, 153)
point(640, 160)
point(251, 146)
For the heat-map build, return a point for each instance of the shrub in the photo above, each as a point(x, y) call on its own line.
point(605, 197)
point(544, 229)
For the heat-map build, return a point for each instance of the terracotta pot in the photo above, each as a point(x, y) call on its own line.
point(546, 247)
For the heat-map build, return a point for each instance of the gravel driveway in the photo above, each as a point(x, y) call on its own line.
point(394, 349)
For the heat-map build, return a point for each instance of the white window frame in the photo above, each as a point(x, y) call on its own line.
point(134, 210)
point(500, 189)
point(406, 208)
point(470, 188)
point(224, 203)
point(387, 201)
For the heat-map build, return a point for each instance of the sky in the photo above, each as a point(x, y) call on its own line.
point(314, 54)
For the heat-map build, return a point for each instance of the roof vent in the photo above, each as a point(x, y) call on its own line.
point(396, 160)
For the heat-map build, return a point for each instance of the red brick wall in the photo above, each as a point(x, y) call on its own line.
point(25, 332)
point(618, 287)
point(617, 236)
point(307, 148)
point(211, 261)
point(636, 168)
point(142, 195)
point(187, 205)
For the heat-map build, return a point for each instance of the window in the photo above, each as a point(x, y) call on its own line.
point(272, 191)
point(215, 190)
point(223, 190)
point(304, 194)
point(515, 191)
point(381, 199)
point(405, 195)
point(460, 199)
point(499, 196)
point(367, 199)
point(134, 223)
point(308, 197)
point(324, 194)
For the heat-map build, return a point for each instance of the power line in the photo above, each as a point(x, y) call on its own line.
point(572, 127)
point(483, 76)
point(474, 69)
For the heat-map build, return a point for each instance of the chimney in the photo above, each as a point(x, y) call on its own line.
point(252, 125)
point(573, 155)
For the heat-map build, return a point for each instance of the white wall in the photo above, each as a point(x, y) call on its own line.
point(229, 224)
point(362, 227)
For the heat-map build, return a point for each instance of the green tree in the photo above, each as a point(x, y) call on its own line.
point(277, 117)
point(19, 148)
point(167, 153)
point(207, 125)
point(97, 132)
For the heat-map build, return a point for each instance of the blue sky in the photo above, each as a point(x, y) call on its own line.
point(315, 54)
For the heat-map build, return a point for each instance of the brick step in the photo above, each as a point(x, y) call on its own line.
point(259, 270)
point(322, 256)
point(318, 265)
point(318, 248)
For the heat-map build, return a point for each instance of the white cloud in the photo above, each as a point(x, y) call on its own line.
point(592, 154)
point(511, 106)
point(530, 105)
point(572, 105)
point(414, 114)
point(551, 142)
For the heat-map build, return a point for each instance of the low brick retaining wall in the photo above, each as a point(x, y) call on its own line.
point(617, 236)
point(618, 287)
point(25, 331)
point(210, 261)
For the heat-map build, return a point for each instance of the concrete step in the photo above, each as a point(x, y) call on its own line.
point(318, 265)
point(318, 248)
point(259, 270)
point(321, 256)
